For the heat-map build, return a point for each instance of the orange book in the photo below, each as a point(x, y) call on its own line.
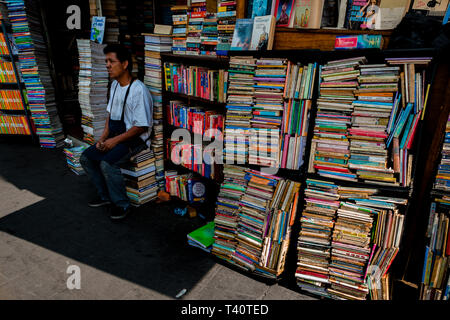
point(294, 209)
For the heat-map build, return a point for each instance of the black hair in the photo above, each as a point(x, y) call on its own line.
point(123, 54)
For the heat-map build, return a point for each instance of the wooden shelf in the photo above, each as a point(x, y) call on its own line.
point(387, 189)
point(322, 39)
point(10, 84)
point(168, 163)
point(9, 111)
point(213, 61)
point(177, 95)
point(15, 135)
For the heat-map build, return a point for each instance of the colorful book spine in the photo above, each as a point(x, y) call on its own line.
point(195, 81)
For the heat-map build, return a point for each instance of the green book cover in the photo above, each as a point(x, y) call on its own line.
point(203, 235)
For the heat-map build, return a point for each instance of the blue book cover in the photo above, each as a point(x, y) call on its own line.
point(242, 35)
point(261, 7)
point(445, 21)
point(406, 131)
point(98, 29)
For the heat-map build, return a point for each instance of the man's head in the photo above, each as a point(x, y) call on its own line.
point(118, 60)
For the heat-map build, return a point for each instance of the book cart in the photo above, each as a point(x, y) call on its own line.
point(374, 56)
point(15, 116)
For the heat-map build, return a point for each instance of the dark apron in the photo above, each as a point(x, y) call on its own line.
point(122, 151)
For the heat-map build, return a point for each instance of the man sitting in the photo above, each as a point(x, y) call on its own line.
point(127, 131)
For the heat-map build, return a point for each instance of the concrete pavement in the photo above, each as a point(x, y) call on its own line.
point(47, 230)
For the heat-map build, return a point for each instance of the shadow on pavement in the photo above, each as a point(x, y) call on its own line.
point(148, 248)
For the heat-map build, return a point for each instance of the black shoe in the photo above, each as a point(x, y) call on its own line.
point(118, 213)
point(98, 202)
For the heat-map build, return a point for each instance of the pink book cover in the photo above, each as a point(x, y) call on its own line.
point(284, 12)
point(285, 150)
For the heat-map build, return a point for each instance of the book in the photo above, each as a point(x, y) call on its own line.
point(391, 13)
point(203, 236)
point(330, 14)
point(242, 35)
point(307, 14)
point(284, 9)
point(361, 41)
point(98, 29)
point(260, 7)
point(342, 14)
point(263, 33)
point(163, 29)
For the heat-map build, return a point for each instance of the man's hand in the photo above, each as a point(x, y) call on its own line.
point(99, 145)
point(109, 144)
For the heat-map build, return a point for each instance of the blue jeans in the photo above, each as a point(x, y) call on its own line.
point(104, 172)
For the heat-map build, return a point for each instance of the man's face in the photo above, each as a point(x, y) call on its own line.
point(114, 66)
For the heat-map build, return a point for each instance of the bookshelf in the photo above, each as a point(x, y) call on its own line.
point(404, 192)
point(208, 62)
point(14, 112)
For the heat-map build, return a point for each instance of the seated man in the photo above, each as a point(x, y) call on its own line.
point(127, 131)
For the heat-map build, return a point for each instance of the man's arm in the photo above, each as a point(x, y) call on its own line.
point(104, 136)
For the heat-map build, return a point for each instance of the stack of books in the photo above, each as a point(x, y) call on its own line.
point(73, 159)
point(370, 119)
point(11, 99)
point(209, 35)
point(3, 45)
point(404, 120)
point(226, 219)
point(348, 240)
point(179, 33)
point(25, 18)
point(14, 124)
point(196, 12)
point(435, 283)
point(148, 16)
point(7, 74)
point(298, 92)
point(154, 45)
point(253, 217)
point(386, 237)
point(239, 108)
point(281, 217)
point(109, 10)
point(314, 241)
point(226, 20)
point(330, 149)
point(140, 180)
point(350, 251)
point(442, 181)
point(93, 87)
point(269, 82)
